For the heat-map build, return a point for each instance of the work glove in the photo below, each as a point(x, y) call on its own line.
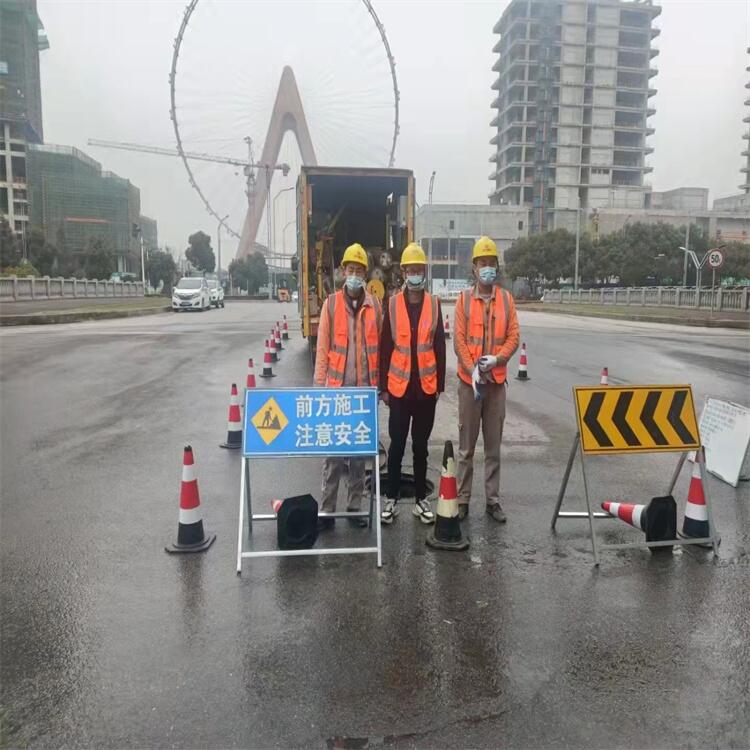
point(487, 363)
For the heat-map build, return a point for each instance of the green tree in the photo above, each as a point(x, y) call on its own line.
point(98, 260)
point(161, 267)
point(545, 257)
point(200, 253)
point(736, 263)
point(41, 253)
point(10, 245)
point(250, 272)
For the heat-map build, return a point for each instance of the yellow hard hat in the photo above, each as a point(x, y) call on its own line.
point(413, 253)
point(355, 254)
point(484, 247)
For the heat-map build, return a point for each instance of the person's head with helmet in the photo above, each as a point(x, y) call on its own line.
point(354, 267)
point(414, 266)
point(484, 261)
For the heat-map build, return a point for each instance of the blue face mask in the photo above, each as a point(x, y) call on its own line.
point(487, 274)
point(354, 283)
point(415, 280)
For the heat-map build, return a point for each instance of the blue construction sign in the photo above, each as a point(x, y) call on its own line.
point(310, 422)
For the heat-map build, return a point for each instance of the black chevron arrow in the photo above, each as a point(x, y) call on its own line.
point(647, 418)
point(619, 418)
point(673, 417)
point(591, 421)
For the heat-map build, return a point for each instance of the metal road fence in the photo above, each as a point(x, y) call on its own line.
point(13, 289)
point(734, 300)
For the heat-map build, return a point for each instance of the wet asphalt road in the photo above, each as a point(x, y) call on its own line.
point(520, 642)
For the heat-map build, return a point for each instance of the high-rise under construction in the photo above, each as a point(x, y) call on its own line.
point(573, 89)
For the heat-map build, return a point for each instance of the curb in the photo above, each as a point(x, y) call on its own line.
point(76, 317)
point(644, 318)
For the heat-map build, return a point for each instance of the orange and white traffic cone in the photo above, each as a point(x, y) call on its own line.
point(695, 523)
point(267, 366)
point(633, 514)
point(272, 347)
point(523, 371)
point(277, 335)
point(446, 533)
point(234, 426)
point(285, 331)
point(250, 383)
point(447, 328)
point(190, 534)
point(604, 379)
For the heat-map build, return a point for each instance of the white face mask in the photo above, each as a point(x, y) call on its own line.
point(415, 281)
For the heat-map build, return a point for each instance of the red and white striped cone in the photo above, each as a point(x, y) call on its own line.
point(285, 330)
point(446, 533)
point(267, 366)
point(190, 534)
point(272, 347)
point(604, 379)
point(695, 524)
point(275, 505)
point(277, 337)
point(447, 328)
point(250, 383)
point(523, 372)
point(234, 426)
point(633, 514)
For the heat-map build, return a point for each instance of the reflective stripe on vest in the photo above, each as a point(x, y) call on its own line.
point(500, 311)
point(366, 332)
point(399, 371)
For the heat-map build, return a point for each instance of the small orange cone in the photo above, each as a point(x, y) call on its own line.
point(190, 534)
point(632, 514)
point(267, 366)
point(277, 336)
point(276, 505)
point(604, 380)
point(447, 328)
point(523, 373)
point(446, 533)
point(285, 331)
point(234, 427)
point(250, 374)
point(272, 347)
point(695, 523)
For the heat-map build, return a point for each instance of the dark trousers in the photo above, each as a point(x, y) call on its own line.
point(420, 414)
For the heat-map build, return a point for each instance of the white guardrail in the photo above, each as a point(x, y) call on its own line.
point(15, 289)
point(735, 300)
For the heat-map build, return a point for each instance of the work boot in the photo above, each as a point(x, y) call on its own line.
point(389, 512)
point(496, 513)
point(423, 511)
point(359, 522)
point(463, 511)
point(326, 524)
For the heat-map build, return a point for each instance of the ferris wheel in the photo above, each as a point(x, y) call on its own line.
point(227, 64)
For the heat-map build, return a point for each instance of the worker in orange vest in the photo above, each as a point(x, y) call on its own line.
point(486, 335)
point(347, 355)
point(412, 377)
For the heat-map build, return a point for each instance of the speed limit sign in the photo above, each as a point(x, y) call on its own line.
point(715, 259)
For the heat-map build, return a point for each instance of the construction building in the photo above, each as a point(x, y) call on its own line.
point(21, 39)
point(573, 89)
point(74, 201)
point(745, 187)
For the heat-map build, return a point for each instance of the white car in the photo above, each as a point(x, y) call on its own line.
point(191, 293)
point(216, 292)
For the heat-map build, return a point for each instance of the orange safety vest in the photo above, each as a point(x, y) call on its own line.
point(475, 333)
point(367, 326)
point(399, 371)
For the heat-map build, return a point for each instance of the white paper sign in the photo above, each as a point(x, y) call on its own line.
point(725, 433)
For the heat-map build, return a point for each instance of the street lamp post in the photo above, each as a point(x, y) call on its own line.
point(272, 221)
point(429, 239)
point(578, 241)
point(218, 246)
point(685, 257)
point(283, 233)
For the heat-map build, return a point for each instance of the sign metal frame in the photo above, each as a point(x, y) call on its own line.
point(245, 500)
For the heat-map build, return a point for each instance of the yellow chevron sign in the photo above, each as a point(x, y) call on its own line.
point(636, 419)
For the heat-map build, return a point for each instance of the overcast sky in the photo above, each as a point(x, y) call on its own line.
point(106, 76)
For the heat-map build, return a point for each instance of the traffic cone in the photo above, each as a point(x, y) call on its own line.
point(285, 331)
point(267, 366)
point(447, 328)
point(695, 523)
point(277, 335)
point(190, 534)
point(523, 373)
point(632, 514)
point(250, 383)
point(234, 427)
point(604, 380)
point(272, 347)
point(446, 533)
